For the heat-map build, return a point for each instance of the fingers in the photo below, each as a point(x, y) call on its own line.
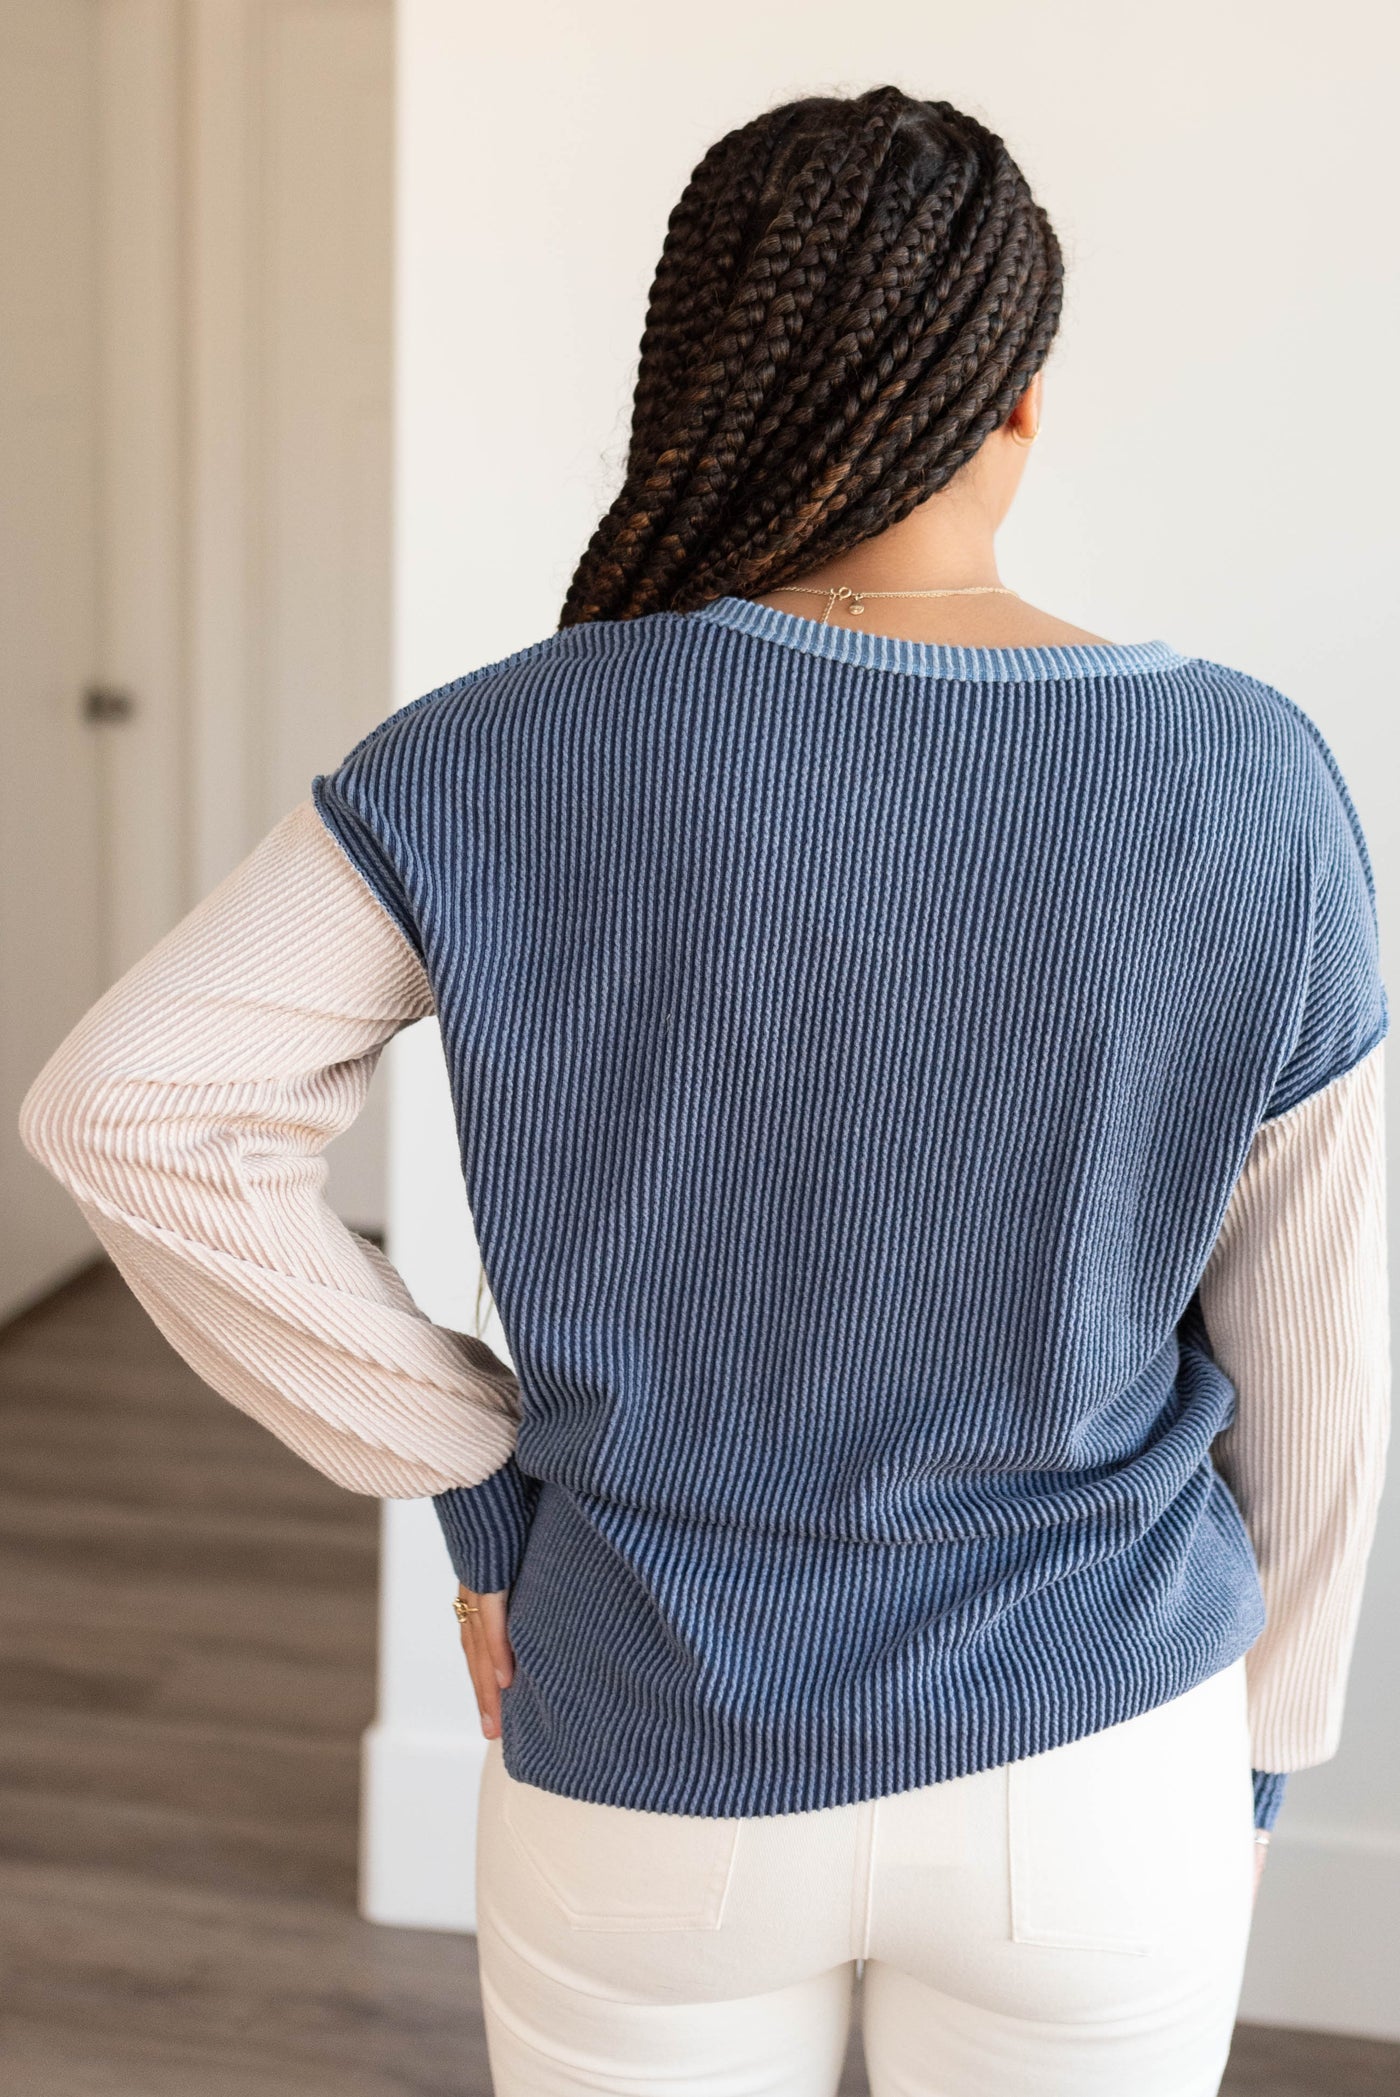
point(490, 1661)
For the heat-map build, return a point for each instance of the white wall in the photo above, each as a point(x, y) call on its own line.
point(140, 122)
point(1216, 469)
point(286, 199)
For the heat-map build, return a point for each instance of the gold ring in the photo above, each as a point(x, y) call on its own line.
point(464, 1609)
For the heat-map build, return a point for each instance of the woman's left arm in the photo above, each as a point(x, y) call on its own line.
point(1295, 1303)
point(187, 1112)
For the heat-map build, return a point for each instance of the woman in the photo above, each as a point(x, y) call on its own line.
point(918, 1074)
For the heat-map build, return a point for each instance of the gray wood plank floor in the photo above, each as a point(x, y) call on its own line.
point(186, 1663)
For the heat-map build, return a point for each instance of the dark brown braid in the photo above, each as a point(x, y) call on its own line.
point(853, 292)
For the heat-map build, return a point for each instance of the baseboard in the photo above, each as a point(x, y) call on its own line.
point(418, 1828)
point(1323, 1952)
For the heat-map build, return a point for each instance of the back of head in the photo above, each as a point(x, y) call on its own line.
point(853, 293)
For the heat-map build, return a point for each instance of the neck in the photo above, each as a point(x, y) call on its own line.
point(933, 548)
point(947, 543)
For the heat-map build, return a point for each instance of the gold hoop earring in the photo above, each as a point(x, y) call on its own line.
point(1017, 438)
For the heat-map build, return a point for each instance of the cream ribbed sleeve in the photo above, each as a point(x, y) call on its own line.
point(186, 1112)
point(1295, 1303)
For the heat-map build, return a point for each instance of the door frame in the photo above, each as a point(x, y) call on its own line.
point(141, 643)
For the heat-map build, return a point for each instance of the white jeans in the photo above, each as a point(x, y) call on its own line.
point(1073, 1925)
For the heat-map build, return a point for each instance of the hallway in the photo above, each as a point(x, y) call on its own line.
point(186, 1664)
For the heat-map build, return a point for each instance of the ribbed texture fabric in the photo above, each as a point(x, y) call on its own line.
point(282, 986)
point(186, 1113)
point(855, 1044)
point(486, 1527)
point(1295, 1302)
point(1268, 1797)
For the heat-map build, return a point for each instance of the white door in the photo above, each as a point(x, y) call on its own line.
point(50, 917)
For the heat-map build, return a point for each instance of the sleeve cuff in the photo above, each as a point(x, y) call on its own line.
point(485, 1527)
point(1268, 1797)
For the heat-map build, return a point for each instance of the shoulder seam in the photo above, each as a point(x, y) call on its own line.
point(444, 691)
point(316, 800)
point(1374, 1042)
point(405, 926)
point(1321, 748)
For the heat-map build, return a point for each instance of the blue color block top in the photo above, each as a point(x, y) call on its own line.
point(854, 1044)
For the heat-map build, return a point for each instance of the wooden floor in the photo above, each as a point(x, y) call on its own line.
point(186, 1656)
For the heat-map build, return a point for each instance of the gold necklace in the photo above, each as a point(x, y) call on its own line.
point(855, 599)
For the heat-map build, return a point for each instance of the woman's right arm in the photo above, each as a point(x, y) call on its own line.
point(186, 1114)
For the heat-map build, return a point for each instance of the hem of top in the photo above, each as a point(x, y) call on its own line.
point(962, 665)
point(1125, 1693)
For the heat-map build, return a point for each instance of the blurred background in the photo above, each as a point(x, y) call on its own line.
point(318, 321)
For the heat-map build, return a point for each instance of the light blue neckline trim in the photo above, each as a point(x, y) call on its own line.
point(878, 651)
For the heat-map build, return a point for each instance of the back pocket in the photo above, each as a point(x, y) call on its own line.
point(615, 1868)
point(1083, 1851)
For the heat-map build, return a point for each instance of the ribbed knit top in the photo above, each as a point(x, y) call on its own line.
point(854, 1043)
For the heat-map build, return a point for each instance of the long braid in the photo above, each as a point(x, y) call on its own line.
point(852, 294)
point(674, 488)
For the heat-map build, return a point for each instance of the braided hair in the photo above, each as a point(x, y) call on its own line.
point(852, 294)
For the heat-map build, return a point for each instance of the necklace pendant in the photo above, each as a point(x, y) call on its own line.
point(857, 606)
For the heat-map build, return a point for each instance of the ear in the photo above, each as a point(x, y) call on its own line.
point(1023, 422)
